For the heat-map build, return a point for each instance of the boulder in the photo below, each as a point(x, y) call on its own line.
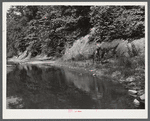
point(132, 92)
point(139, 45)
point(82, 46)
point(136, 102)
point(122, 49)
point(129, 47)
point(140, 92)
point(142, 97)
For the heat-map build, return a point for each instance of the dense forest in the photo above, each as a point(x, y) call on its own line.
point(51, 30)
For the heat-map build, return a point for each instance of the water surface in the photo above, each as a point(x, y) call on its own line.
point(48, 87)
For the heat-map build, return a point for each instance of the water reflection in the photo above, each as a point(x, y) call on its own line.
point(47, 87)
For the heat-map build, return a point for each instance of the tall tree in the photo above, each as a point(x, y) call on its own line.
point(115, 22)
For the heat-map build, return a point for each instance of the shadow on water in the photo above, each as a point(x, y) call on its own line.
point(47, 87)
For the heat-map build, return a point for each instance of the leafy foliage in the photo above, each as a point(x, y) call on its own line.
point(50, 29)
point(118, 22)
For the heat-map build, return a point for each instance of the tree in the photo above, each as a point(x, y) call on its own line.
point(115, 22)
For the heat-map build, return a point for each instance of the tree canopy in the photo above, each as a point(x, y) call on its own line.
point(48, 29)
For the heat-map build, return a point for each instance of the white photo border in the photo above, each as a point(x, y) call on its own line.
point(76, 113)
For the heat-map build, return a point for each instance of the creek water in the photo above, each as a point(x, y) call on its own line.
point(49, 87)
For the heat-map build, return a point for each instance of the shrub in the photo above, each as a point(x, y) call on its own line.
point(138, 61)
point(125, 61)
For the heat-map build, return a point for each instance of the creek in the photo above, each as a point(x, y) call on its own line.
point(49, 87)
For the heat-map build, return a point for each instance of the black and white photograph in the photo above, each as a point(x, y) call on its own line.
point(75, 60)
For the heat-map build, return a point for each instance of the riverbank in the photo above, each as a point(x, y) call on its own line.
point(132, 79)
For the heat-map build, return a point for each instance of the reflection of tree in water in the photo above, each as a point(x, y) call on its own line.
point(102, 91)
point(110, 95)
point(52, 88)
point(43, 88)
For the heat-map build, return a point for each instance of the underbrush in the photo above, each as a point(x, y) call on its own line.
point(117, 69)
point(127, 66)
point(128, 71)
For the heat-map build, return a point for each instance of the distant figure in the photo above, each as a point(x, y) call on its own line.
point(100, 53)
point(96, 55)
